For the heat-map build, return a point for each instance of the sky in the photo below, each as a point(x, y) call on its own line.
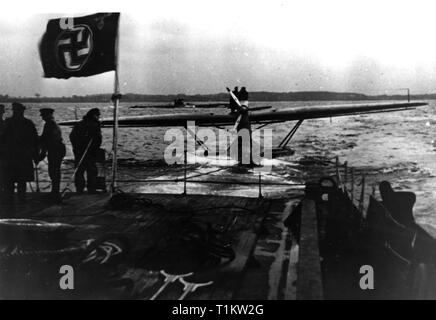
point(202, 46)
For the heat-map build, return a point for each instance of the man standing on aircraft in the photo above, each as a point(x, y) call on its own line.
point(52, 146)
point(86, 140)
point(245, 144)
point(243, 97)
point(243, 128)
point(20, 141)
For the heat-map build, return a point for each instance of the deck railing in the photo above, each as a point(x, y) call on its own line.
point(342, 174)
point(187, 180)
point(343, 171)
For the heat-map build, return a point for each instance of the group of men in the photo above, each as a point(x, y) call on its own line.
point(21, 148)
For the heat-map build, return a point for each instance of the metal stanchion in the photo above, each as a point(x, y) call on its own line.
point(260, 186)
point(185, 173)
point(338, 175)
point(352, 185)
point(362, 194)
point(345, 176)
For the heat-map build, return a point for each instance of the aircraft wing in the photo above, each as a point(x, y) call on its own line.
point(187, 105)
point(264, 117)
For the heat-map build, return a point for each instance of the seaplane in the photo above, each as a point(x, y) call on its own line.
point(259, 117)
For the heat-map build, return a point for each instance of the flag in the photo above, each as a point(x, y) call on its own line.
point(79, 47)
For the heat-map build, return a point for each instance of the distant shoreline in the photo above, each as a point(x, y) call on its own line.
point(224, 97)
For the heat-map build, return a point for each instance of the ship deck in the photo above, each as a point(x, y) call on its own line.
point(170, 232)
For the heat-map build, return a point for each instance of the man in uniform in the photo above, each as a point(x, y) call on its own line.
point(20, 141)
point(86, 141)
point(243, 97)
point(245, 144)
point(52, 147)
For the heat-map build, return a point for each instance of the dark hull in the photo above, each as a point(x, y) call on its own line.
point(402, 258)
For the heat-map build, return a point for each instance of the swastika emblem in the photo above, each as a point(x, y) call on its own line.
point(73, 47)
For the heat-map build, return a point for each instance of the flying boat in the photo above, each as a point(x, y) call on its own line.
point(259, 117)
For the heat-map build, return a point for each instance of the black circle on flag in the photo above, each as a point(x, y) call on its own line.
point(73, 47)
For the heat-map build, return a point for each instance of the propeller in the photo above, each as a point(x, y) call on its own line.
point(239, 105)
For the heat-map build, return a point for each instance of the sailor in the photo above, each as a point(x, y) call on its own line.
point(232, 103)
point(2, 125)
point(20, 141)
point(86, 140)
point(243, 129)
point(243, 97)
point(52, 147)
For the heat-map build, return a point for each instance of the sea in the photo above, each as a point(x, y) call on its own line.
point(399, 147)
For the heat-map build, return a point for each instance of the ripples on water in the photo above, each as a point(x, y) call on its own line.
point(396, 146)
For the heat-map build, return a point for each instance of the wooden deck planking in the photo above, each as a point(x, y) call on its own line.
point(273, 274)
point(146, 226)
point(231, 275)
point(309, 282)
point(227, 276)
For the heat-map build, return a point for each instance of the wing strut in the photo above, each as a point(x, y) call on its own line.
point(199, 141)
point(291, 133)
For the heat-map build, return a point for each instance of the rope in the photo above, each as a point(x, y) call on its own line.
point(19, 253)
point(77, 168)
point(395, 253)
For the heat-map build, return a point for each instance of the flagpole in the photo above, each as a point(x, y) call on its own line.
point(115, 98)
point(115, 134)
